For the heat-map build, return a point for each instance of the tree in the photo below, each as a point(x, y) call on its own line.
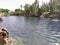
point(4, 10)
point(45, 8)
point(27, 10)
point(39, 12)
point(17, 11)
point(21, 6)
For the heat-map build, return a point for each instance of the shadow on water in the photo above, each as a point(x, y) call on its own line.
point(1, 20)
point(32, 18)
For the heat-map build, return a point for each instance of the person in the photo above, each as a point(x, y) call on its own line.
point(4, 37)
point(4, 29)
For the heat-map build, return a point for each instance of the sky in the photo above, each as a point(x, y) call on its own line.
point(15, 4)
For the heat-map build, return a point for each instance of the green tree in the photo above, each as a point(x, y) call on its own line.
point(17, 12)
point(5, 11)
point(21, 6)
point(45, 8)
point(27, 10)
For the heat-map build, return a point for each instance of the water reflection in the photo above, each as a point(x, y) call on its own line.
point(1, 20)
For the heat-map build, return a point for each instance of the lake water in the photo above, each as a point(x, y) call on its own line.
point(32, 30)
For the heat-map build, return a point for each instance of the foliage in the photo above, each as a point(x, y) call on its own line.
point(4, 10)
point(51, 7)
point(58, 8)
point(17, 11)
point(45, 8)
point(29, 10)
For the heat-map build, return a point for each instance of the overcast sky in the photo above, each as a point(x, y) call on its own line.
point(13, 4)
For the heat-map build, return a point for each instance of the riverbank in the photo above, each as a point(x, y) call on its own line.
point(51, 15)
point(44, 15)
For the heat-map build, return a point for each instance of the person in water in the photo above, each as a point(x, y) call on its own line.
point(4, 29)
point(4, 37)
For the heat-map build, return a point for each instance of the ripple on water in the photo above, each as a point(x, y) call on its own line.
point(55, 20)
point(54, 39)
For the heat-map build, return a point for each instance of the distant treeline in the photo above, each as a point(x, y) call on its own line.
point(29, 10)
point(46, 10)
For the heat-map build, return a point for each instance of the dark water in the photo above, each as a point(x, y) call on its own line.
point(33, 30)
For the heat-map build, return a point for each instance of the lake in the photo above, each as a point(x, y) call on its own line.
point(32, 30)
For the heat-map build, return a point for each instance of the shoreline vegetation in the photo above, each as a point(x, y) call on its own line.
point(47, 10)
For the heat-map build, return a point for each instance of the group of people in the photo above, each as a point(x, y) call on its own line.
point(4, 37)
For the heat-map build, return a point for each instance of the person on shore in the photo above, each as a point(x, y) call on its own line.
point(4, 37)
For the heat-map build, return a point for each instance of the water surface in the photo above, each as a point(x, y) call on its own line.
point(33, 30)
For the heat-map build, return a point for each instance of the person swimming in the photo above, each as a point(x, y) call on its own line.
point(4, 37)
